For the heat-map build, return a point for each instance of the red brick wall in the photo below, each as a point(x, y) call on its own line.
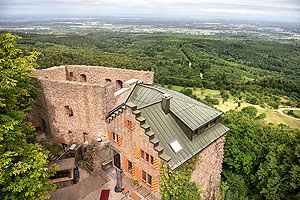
point(131, 140)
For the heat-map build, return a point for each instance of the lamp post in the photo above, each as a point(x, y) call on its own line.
point(118, 187)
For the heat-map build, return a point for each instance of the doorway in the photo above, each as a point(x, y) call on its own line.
point(116, 159)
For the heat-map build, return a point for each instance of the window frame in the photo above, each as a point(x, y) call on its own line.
point(148, 180)
point(129, 163)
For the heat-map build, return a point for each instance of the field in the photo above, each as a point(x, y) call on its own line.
point(296, 113)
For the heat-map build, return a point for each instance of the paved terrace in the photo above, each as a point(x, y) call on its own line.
point(90, 186)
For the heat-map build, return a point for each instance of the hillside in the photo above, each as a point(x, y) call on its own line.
point(259, 70)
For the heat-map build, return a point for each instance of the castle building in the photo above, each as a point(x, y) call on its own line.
point(143, 124)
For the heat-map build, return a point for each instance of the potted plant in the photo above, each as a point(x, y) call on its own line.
point(135, 183)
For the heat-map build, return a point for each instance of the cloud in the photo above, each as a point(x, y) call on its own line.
point(277, 9)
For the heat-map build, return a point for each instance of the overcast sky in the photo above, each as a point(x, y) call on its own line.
point(277, 10)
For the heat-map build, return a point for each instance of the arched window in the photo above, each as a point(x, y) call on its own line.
point(82, 78)
point(119, 84)
point(107, 80)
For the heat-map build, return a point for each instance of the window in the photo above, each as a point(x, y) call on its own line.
point(119, 84)
point(82, 78)
point(129, 124)
point(147, 157)
point(71, 74)
point(85, 137)
point(69, 111)
point(152, 160)
point(114, 136)
point(175, 146)
point(149, 182)
point(144, 176)
point(129, 166)
point(107, 80)
point(142, 154)
point(117, 139)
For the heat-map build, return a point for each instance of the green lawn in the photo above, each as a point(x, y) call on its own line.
point(294, 113)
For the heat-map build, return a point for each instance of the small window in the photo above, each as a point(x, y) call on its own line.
point(147, 157)
point(152, 160)
point(69, 111)
point(176, 146)
point(107, 80)
point(142, 154)
point(149, 182)
point(119, 84)
point(85, 135)
point(71, 74)
point(114, 136)
point(129, 166)
point(143, 176)
point(82, 78)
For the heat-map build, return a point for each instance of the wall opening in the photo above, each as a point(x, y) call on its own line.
point(107, 80)
point(44, 128)
point(119, 84)
point(71, 74)
point(82, 78)
point(68, 111)
point(85, 137)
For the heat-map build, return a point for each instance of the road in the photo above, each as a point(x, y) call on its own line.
point(280, 111)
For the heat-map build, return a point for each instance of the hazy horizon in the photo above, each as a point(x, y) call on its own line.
point(264, 10)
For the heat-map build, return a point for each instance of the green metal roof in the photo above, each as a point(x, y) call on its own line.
point(166, 130)
point(191, 112)
point(163, 127)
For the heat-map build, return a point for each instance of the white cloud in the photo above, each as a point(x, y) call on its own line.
point(274, 8)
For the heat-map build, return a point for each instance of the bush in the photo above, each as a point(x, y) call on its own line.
point(135, 182)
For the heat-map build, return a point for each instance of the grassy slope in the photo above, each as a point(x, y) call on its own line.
point(272, 116)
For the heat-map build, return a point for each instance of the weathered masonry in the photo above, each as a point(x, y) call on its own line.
point(75, 100)
point(157, 124)
point(142, 124)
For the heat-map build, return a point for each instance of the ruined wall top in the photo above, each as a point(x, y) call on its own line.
point(93, 74)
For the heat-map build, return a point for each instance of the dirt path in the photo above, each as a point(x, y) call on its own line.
point(280, 111)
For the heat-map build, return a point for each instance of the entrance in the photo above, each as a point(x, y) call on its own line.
point(117, 160)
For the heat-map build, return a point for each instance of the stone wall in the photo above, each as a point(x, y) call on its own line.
point(56, 73)
point(58, 99)
point(131, 140)
point(88, 102)
point(208, 169)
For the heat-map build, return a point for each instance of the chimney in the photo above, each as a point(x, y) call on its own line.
point(165, 103)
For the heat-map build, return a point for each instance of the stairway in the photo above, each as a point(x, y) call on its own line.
point(51, 155)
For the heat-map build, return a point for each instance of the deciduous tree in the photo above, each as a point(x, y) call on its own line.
point(23, 164)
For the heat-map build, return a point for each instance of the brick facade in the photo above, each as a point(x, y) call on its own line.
point(132, 142)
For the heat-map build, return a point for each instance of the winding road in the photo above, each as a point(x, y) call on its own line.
point(280, 111)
